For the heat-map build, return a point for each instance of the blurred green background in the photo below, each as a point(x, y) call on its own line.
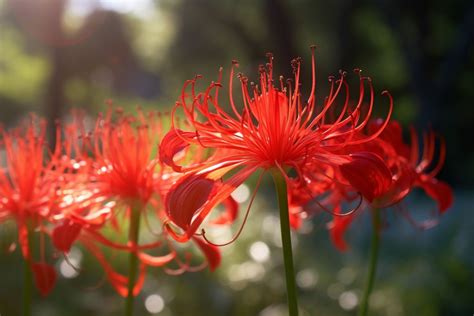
point(56, 55)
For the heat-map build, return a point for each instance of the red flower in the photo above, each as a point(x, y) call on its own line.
point(45, 277)
point(409, 171)
point(275, 129)
point(117, 170)
point(124, 158)
point(114, 166)
point(423, 169)
point(29, 178)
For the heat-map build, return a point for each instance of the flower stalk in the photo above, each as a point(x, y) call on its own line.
point(133, 234)
point(374, 249)
point(282, 195)
point(28, 276)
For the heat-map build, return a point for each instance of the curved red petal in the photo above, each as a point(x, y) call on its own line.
point(100, 238)
point(140, 280)
point(439, 191)
point(187, 197)
point(156, 261)
point(189, 202)
point(393, 135)
point(231, 210)
point(337, 229)
point(295, 217)
point(212, 253)
point(65, 235)
point(97, 218)
point(171, 145)
point(118, 281)
point(45, 277)
point(368, 174)
point(23, 239)
point(404, 178)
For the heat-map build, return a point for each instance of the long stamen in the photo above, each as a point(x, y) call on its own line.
point(312, 96)
point(338, 214)
point(424, 225)
point(247, 212)
point(441, 158)
point(235, 64)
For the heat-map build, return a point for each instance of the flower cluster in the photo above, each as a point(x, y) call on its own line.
point(330, 154)
point(87, 190)
point(409, 170)
point(126, 170)
point(29, 175)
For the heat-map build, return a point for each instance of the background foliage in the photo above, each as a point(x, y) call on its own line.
point(56, 55)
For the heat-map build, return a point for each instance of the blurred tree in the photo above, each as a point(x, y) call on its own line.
point(99, 52)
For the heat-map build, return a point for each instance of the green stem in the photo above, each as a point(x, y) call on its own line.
point(27, 287)
point(374, 249)
point(28, 275)
point(133, 232)
point(281, 190)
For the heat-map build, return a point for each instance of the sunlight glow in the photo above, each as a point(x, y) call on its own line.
point(140, 8)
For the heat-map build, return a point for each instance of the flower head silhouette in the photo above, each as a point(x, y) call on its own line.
point(118, 180)
point(29, 178)
point(409, 170)
point(275, 130)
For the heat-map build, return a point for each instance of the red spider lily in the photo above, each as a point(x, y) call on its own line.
point(409, 171)
point(116, 165)
point(29, 178)
point(117, 170)
point(424, 167)
point(274, 130)
point(124, 160)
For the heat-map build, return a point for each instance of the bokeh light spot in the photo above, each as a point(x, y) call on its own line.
point(241, 194)
point(259, 251)
point(348, 300)
point(306, 278)
point(154, 304)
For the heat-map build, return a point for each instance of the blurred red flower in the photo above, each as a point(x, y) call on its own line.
point(117, 173)
point(29, 178)
point(409, 170)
